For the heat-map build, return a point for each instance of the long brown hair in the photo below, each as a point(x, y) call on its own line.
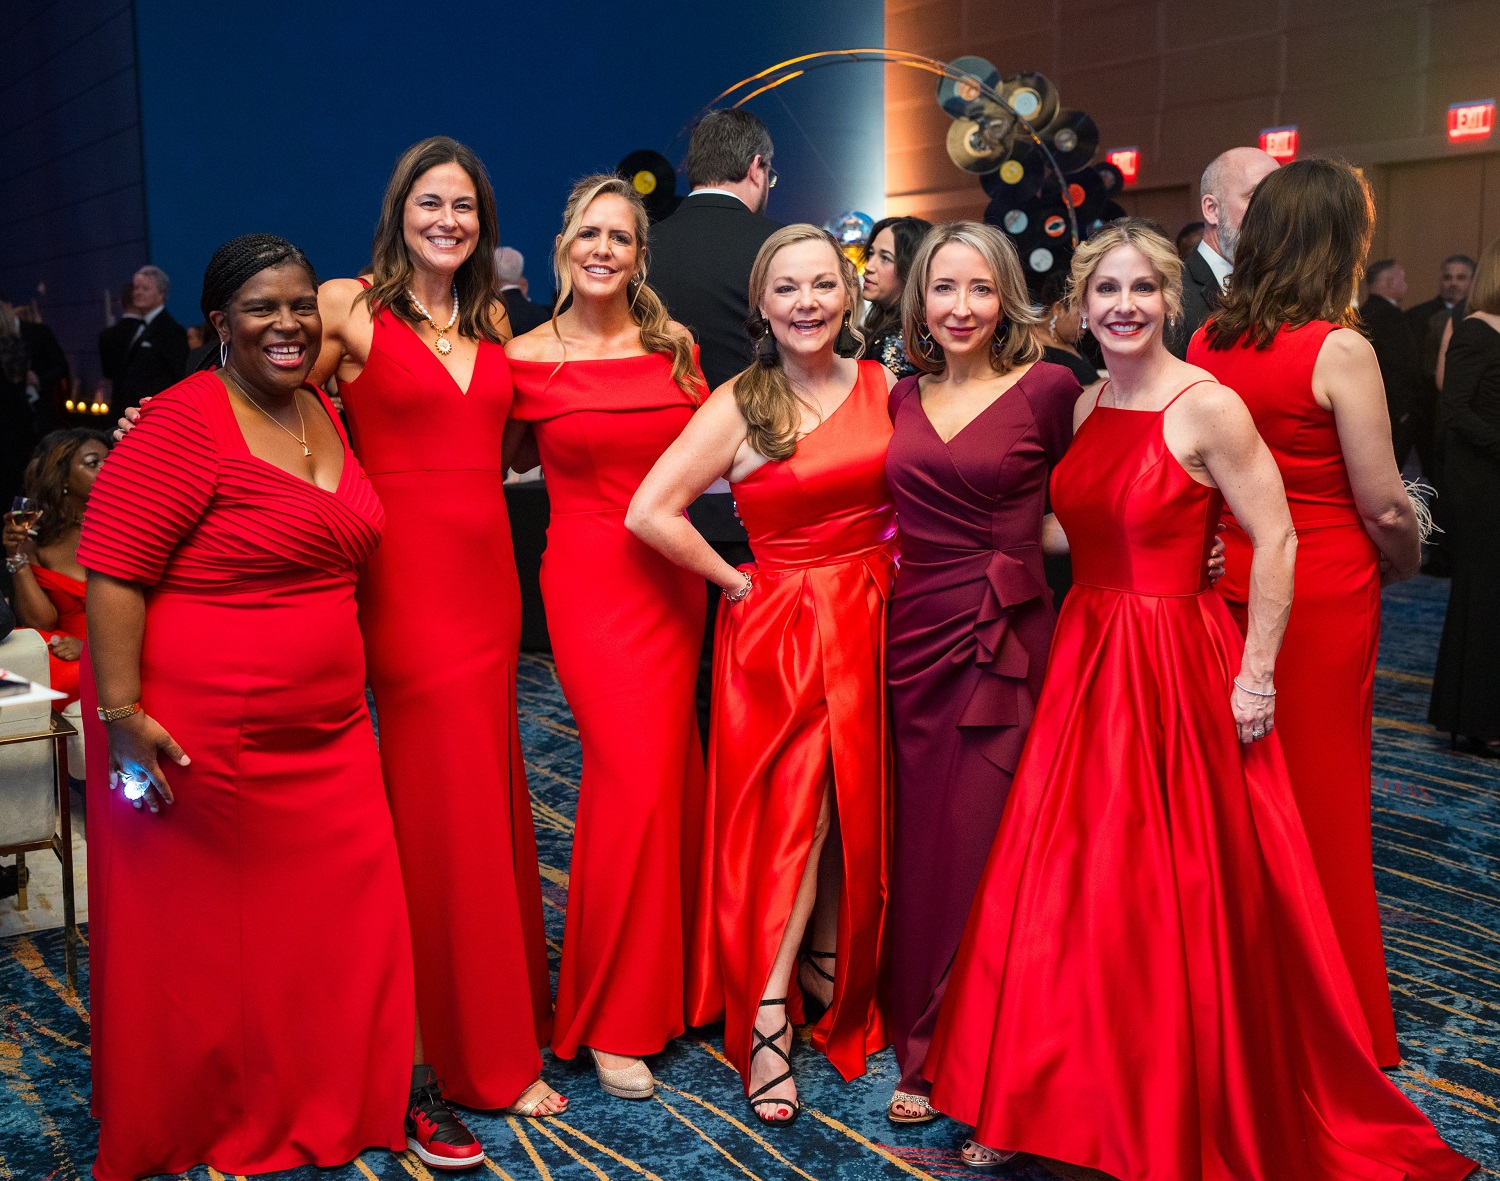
point(1484, 293)
point(763, 392)
point(390, 264)
point(47, 475)
point(646, 307)
point(1300, 254)
point(1016, 333)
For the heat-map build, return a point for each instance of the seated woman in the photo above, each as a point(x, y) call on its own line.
point(251, 985)
point(43, 560)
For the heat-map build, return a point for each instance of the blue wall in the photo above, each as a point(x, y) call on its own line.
point(288, 120)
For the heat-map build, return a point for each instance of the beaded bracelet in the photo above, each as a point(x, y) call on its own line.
point(1253, 692)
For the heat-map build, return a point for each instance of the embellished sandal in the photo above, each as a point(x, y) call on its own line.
point(812, 1008)
point(762, 1042)
point(529, 1102)
point(920, 1102)
point(983, 1159)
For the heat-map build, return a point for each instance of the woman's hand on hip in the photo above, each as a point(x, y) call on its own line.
point(136, 747)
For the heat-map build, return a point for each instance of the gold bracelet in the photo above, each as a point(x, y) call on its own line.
point(123, 711)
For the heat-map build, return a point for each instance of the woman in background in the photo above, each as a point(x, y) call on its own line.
point(606, 386)
point(800, 774)
point(47, 581)
point(1466, 689)
point(1059, 331)
point(1284, 338)
point(893, 244)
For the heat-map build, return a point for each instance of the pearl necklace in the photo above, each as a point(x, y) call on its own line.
point(441, 344)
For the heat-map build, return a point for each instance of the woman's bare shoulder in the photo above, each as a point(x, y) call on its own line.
point(540, 344)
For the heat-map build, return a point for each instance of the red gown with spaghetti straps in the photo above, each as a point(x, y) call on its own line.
point(250, 972)
point(1149, 983)
point(799, 699)
point(66, 595)
point(446, 702)
point(1325, 675)
point(626, 627)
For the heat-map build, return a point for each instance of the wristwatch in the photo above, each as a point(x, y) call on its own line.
point(124, 711)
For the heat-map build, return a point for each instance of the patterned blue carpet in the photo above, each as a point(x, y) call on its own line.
point(1437, 817)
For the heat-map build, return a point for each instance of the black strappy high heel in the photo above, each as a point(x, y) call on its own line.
point(812, 1008)
point(762, 1042)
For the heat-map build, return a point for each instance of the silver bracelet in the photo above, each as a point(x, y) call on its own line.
point(14, 564)
point(1253, 692)
point(736, 596)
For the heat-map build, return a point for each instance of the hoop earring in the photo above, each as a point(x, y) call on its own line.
point(845, 344)
point(637, 281)
point(223, 353)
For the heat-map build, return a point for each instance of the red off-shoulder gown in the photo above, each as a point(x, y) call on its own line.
point(66, 595)
point(1325, 674)
point(799, 700)
point(1149, 983)
point(440, 608)
point(626, 627)
point(250, 982)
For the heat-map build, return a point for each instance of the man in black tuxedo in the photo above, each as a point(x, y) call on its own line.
point(1396, 350)
point(1224, 195)
point(147, 350)
point(510, 270)
point(700, 260)
point(1429, 316)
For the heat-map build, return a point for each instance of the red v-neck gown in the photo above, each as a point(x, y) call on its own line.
point(250, 982)
point(440, 607)
point(626, 628)
point(799, 700)
point(1149, 983)
point(971, 622)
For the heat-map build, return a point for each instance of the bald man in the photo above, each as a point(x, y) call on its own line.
point(1226, 187)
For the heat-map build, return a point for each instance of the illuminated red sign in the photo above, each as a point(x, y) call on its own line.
point(1128, 161)
point(1468, 121)
point(1280, 143)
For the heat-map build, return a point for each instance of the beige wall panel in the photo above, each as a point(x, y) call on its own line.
point(1342, 49)
point(1195, 23)
point(1489, 219)
point(1466, 33)
point(1361, 110)
point(1192, 136)
point(1173, 207)
point(1242, 69)
point(1432, 210)
point(1017, 51)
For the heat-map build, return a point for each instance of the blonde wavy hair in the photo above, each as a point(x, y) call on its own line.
point(1018, 345)
point(769, 404)
point(1147, 237)
point(646, 307)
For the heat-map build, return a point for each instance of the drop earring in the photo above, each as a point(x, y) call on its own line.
point(925, 344)
point(223, 353)
point(846, 345)
point(1083, 321)
point(766, 353)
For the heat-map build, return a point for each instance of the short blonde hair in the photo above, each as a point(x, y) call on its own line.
point(1484, 293)
point(1147, 237)
point(1019, 345)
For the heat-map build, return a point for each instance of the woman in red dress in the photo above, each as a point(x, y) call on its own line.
point(46, 579)
point(422, 373)
point(251, 980)
point(799, 746)
point(1286, 341)
point(608, 384)
point(1149, 984)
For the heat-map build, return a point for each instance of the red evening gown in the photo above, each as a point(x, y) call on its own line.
point(1325, 675)
point(66, 595)
point(1149, 983)
point(626, 627)
point(250, 983)
point(799, 700)
point(440, 608)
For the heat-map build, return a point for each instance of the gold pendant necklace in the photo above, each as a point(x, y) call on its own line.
point(296, 401)
point(442, 345)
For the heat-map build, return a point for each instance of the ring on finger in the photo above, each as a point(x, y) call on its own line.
point(1257, 733)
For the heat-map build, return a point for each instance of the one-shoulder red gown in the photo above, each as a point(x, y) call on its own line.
point(799, 700)
point(250, 970)
point(626, 627)
point(1149, 983)
point(440, 608)
point(1325, 675)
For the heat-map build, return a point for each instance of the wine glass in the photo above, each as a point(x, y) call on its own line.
point(25, 511)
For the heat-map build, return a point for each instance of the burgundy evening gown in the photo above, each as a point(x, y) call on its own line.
point(971, 621)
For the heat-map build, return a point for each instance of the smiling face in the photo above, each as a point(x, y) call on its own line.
point(605, 253)
point(962, 300)
point(1125, 304)
point(804, 300)
point(273, 328)
point(440, 222)
point(882, 284)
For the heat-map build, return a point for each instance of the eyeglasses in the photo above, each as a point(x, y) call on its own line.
point(771, 177)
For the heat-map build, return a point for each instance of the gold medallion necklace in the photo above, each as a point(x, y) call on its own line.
point(442, 345)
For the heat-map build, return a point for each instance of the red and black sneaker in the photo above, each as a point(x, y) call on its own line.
point(435, 1134)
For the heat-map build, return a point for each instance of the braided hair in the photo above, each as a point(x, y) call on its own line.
point(240, 259)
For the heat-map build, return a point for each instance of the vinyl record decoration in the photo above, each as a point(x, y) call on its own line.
point(652, 176)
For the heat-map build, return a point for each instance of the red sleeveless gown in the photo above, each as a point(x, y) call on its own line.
point(66, 595)
point(626, 628)
point(1325, 675)
point(799, 697)
point(250, 977)
point(1149, 983)
point(440, 608)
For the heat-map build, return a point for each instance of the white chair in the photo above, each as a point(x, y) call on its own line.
point(34, 804)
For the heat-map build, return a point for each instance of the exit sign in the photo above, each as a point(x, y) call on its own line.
point(1128, 161)
point(1280, 143)
point(1472, 120)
